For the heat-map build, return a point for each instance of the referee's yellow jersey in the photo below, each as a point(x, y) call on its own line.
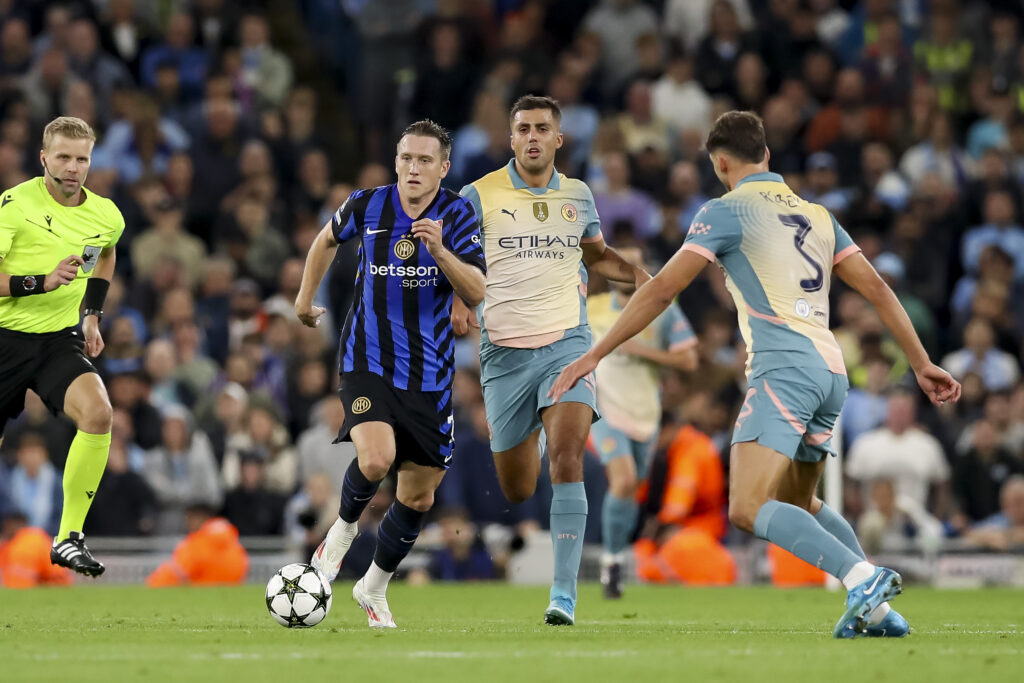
point(36, 232)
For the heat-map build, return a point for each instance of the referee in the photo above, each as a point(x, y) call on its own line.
point(56, 247)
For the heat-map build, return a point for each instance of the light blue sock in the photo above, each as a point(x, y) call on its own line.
point(795, 530)
point(834, 523)
point(568, 524)
point(618, 519)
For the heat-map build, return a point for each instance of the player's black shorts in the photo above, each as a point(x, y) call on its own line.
point(46, 362)
point(422, 420)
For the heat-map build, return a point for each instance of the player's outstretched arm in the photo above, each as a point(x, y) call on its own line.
point(605, 261)
point(467, 280)
point(318, 260)
point(644, 306)
point(937, 384)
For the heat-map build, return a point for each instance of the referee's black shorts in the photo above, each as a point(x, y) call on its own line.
point(422, 420)
point(46, 362)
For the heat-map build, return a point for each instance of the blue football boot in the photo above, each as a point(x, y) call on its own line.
point(561, 611)
point(892, 626)
point(862, 599)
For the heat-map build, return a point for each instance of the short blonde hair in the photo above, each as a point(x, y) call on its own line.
point(68, 126)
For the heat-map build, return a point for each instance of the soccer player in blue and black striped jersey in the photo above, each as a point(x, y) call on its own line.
point(419, 246)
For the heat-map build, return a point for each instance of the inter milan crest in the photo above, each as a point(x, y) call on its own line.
point(569, 213)
point(360, 405)
point(540, 211)
point(404, 249)
point(89, 256)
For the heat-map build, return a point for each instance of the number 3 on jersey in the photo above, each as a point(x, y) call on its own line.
point(803, 226)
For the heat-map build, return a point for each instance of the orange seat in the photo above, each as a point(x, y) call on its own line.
point(209, 555)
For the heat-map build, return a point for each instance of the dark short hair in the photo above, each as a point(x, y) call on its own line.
point(530, 102)
point(741, 134)
point(428, 129)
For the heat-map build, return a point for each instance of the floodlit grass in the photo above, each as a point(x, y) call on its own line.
point(492, 633)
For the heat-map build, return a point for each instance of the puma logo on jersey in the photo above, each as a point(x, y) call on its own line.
point(510, 213)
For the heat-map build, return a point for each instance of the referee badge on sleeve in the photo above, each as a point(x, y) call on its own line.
point(89, 257)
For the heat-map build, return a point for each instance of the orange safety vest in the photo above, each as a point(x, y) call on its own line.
point(209, 555)
point(25, 561)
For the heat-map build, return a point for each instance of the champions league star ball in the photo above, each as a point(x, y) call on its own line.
point(298, 596)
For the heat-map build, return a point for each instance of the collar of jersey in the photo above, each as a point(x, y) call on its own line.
point(520, 184)
point(761, 178)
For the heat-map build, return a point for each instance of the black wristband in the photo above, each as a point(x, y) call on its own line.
point(26, 285)
point(95, 293)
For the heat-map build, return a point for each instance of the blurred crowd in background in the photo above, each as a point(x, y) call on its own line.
point(229, 132)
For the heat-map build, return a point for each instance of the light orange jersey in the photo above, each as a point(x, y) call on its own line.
point(209, 555)
point(25, 561)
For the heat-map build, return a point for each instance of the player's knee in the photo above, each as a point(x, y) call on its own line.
point(623, 485)
point(98, 417)
point(375, 463)
point(420, 501)
point(566, 465)
point(519, 490)
point(742, 515)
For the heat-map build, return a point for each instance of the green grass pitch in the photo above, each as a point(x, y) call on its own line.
point(492, 633)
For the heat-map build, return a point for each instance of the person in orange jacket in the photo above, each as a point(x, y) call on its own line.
point(210, 554)
point(25, 556)
point(682, 541)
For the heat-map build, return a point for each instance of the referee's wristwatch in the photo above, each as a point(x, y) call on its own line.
point(93, 311)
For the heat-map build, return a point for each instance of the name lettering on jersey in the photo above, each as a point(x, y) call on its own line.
point(789, 200)
point(510, 213)
point(540, 211)
point(569, 213)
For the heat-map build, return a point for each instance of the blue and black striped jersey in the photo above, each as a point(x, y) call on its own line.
point(399, 326)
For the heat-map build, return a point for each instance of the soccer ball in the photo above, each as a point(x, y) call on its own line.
point(298, 596)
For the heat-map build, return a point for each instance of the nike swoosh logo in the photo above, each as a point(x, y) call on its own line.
point(374, 232)
point(447, 459)
point(408, 540)
point(871, 589)
point(360, 500)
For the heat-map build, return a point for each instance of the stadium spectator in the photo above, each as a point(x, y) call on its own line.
point(266, 72)
point(997, 369)
point(1003, 531)
point(209, 555)
point(181, 471)
point(823, 184)
point(262, 431)
point(939, 154)
point(867, 405)
point(124, 34)
point(901, 451)
point(887, 65)
point(894, 523)
point(317, 452)
point(35, 484)
point(720, 49)
point(25, 556)
point(89, 62)
point(443, 78)
point(462, 555)
point(980, 473)
point(161, 366)
point(251, 507)
point(684, 190)
point(618, 201)
point(618, 24)
point(142, 142)
point(1000, 228)
point(178, 47)
point(310, 513)
point(167, 238)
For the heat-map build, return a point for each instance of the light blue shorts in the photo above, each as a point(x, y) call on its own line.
point(516, 384)
point(612, 443)
point(793, 411)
